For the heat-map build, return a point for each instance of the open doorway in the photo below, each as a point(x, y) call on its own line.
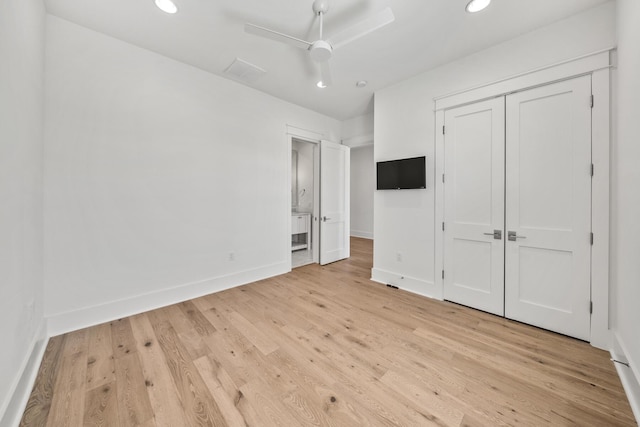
point(320, 222)
point(305, 196)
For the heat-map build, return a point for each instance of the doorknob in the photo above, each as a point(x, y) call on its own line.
point(325, 219)
point(497, 234)
point(512, 236)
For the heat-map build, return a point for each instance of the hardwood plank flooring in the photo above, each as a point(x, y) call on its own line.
point(100, 361)
point(37, 410)
point(69, 391)
point(322, 346)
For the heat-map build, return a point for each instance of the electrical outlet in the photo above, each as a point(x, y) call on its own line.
point(398, 256)
point(232, 256)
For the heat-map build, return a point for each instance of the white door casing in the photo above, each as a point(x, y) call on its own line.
point(548, 207)
point(334, 202)
point(474, 205)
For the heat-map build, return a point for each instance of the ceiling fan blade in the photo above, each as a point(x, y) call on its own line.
point(362, 28)
point(325, 73)
point(274, 35)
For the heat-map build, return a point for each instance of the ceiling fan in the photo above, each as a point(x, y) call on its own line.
point(321, 50)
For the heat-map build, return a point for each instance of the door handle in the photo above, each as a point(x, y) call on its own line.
point(325, 219)
point(512, 236)
point(497, 234)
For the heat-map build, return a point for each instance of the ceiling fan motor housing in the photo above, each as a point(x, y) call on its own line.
point(320, 6)
point(320, 51)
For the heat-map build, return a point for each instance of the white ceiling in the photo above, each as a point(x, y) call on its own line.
point(209, 34)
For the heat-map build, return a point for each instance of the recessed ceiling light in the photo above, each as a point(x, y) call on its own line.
point(477, 5)
point(321, 84)
point(166, 6)
point(361, 83)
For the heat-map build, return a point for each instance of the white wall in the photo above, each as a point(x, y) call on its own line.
point(625, 207)
point(362, 189)
point(404, 127)
point(357, 128)
point(357, 133)
point(21, 98)
point(155, 172)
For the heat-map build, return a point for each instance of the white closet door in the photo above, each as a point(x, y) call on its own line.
point(548, 205)
point(334, 202)
point(474, 205)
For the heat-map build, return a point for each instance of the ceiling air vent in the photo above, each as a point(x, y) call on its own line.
point(245, 71)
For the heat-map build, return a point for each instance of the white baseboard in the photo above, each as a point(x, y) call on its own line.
point(11, 412)
point(407, 283)
point(362, 234)
point(89, 316)
point(629, 376)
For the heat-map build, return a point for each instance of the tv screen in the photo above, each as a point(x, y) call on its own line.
point(402, 174)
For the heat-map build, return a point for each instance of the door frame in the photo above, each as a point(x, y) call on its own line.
point(598, 65)
point(311, 137)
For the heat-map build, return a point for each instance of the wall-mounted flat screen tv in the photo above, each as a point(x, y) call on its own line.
point(402, 174)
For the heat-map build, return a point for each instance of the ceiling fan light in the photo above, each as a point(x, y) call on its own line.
point(167, 6)
point(321, 84)
point(477, 5)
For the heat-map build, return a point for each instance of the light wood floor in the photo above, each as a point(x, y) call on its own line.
point(322, 346)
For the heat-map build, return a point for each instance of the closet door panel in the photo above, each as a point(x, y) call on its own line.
point(474, 205)
point(548, 204)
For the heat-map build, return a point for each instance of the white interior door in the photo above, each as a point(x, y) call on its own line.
point(474, 205)
point(548, 206)
point(334, 202)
